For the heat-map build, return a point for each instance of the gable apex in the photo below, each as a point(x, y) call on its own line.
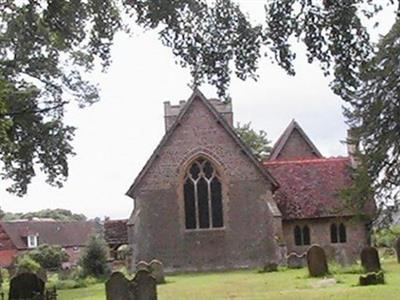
point(288, 136)
point(197, 95)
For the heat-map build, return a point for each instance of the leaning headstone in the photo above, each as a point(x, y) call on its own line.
point(372, 278)
point(397, 246)
point(146, 288)
point(26, 286)
point(142, 265)
point(296, 261)
point(157, 270)
point(119, 288)
point(370, 259)
point(316, 261)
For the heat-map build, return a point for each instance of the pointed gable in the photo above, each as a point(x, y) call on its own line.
point(294, 144)
point(197, 96)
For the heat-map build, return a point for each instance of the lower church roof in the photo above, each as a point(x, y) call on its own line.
point(310, 188)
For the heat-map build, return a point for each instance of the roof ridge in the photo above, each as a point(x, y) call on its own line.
point(307, 160)
point(284, 137)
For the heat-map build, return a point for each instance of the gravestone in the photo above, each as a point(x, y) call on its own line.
point(145, 288)
point(26, 286)
point(316, 261)
point(397, 246)
point(372, 278)
point(119, 288)
point(296, 261)
point(370, 259)
point(157, 270)
point(142, 265)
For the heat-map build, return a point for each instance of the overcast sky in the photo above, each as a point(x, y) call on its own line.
point(116, 136)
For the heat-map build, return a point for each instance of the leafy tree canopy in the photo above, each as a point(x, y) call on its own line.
point(46, 47)
point(58, 214)
point(256, 141)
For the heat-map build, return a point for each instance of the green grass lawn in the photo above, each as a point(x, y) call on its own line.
point(286, 284)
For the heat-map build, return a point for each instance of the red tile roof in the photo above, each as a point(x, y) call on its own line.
point(64, 234)
point(116, 232)
point(310, 188)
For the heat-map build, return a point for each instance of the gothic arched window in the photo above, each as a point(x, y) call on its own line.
point(338, 233)
point(203, 196)
point(302, 235)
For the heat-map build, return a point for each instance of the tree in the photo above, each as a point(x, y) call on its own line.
point(46, 46)
point(57, 214)
point(256, 141)
point(94, 258)
point(49, 257)
point(2, 214)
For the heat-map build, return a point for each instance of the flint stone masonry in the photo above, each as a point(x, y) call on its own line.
point(26, 286)
point(158, 219)
point(370, 259)
point(316, 261)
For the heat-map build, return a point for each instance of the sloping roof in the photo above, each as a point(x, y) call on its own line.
point(64, 234)
point(310, 188)
point(198, 95)
point(116, 232)
point(283, 139)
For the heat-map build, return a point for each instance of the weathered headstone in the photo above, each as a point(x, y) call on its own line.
point(157, 270)
point(372, 278)
point(316, 261)
point(146, 288)
point(370, 259)
point(296, 261)
point(119, 288)
point(142, 265)
point(397, 246)
point(26, 286)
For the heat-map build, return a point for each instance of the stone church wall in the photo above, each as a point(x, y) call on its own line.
point(248, 238)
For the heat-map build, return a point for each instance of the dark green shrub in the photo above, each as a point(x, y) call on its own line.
point(94, 258)
point(49, 257)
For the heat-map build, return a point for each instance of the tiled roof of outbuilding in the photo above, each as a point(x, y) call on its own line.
point(310, 188)
point(116, 232)
point(64, 234)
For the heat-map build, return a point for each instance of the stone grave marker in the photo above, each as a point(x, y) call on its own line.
point(372, 278)
point(119, 288)
point(370, 259)
point(142, 265)
point(146, 288)
point(397, 246)
point(316, 261)
point(296, 261)
point(157, 270)
point(26, 286)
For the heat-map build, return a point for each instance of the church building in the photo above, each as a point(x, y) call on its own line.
point(204, 202)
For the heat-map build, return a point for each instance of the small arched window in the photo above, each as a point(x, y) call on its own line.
point(302, 235)
point(338, 233)
point(203, 196)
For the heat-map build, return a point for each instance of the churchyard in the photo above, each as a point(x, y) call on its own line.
point(287, 284)
point(372, 277)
